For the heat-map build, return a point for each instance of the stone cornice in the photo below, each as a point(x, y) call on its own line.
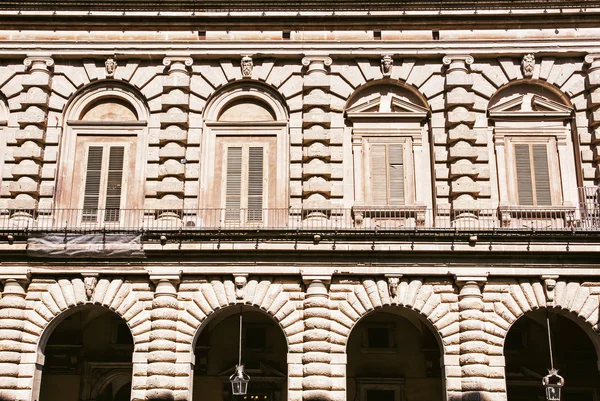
point(479, 49)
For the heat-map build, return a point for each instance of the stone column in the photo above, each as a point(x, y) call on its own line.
point(460, 120)
point(172, 140)
point(28, 147)
point(474, 359)
point(593, 85)
point(162, 349)
point(316, 360)
point(316, 154)
point(14, 384)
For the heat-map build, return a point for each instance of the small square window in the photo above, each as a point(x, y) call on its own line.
point(378, 337)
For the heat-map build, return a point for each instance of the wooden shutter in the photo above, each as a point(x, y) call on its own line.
point(541, 174)
point(93, 180)
point(396, 174)
point(255, 183)
point(233, 191)
point(114, 183)
point(533, 175)
point(379, 174)
point(387, 174)
point(524, 182)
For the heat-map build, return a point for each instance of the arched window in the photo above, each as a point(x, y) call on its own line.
point(392, 171)
point(534, 151)
point(102, 158)
point(245, 154)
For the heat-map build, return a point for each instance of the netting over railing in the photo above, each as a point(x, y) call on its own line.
point(373, 219)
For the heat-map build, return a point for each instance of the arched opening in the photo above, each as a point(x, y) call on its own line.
point(527, 356)
point(87, 356)
point(394, 355)
point(100, 177)
point(245, 157)
point(264, 356)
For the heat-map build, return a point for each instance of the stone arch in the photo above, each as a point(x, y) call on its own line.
point(3, 109)
point(573, 299)
point(253, 91)
point(429, 300)
point(84, 117)
point(105, 381)
point(94, 92)
point(271, 297)
point(64, 297)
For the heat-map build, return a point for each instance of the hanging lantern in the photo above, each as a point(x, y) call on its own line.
point(239, 381)
point(553, 384)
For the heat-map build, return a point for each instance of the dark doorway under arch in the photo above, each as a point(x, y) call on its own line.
point(264, 356)
point(527, 357)
point(88, 356)
point(393, 356)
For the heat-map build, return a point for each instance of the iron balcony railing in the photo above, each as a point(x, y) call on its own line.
point(356, 219)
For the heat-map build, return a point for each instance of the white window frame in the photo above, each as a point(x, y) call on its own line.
point(214, 129)
point(75, 129)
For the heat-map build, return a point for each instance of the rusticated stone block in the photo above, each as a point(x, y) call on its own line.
point(467, 169)
point(172, 151)
point(316, 184)
point(317, 98)
point(316, 116)
point(461, 114)
point(462, 150)
point(316, 149)
point(316, 134)
point(33, 115)
point(317, 167)
point(176, 81)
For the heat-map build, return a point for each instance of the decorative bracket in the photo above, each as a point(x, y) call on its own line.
point(549, 285)
point(527, 65)
point(393, 282)
point(247, 65)
point(89, 281)
point(240, 280)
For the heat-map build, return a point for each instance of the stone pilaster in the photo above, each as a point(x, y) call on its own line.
point(460, 120)
point(473, 359)
point(316, 360)
point(12, 325)
point(593, 86)
point(26, 187)
point(174, 122)
point(162, 350)
point(316, 153)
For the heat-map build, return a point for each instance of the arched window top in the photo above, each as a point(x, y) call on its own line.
point(521, 89)
point(382, 95)
point(247, 109)
point(245, 102)
point(109, 109)
point(520, 99)
point(107, 103)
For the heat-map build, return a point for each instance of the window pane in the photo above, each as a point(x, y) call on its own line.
point(380, 395)
point(93, 177)
point(523, 168)
point(255, 183)
point(234, 183)
point(542, 175)
point(378, 337)
point(114, 183)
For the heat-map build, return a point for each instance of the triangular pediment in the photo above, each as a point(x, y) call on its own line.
point(528, 106)
point(391, 106)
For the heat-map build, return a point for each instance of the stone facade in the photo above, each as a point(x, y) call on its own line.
point(318, 106)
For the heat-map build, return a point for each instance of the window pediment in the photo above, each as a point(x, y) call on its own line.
point(387, 106)
point(530, 106)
